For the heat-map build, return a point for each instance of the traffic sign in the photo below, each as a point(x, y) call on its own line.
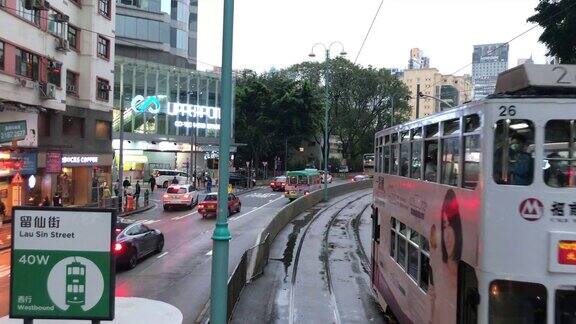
point(62, 263)
point(17, 180)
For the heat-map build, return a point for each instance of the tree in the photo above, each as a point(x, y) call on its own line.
point(272, 109)
point(360, 103)
point(558, 18)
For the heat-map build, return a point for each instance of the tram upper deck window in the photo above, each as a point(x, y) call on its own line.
point(431, 152)
point(517, 302)
point(560, 153)
point(404, 153)
point(431, 130)
point(513, 161)
point(451, 127)
point(472, 123)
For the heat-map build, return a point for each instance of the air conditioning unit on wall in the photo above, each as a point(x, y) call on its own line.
point(47, 90)
point(62, 45)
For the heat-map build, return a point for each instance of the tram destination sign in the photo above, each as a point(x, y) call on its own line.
point(62, 263)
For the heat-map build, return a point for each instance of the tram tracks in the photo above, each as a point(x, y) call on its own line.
point(324, 253)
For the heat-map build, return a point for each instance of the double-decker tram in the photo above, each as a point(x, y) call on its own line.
point(368, 164)
point(475, 207)
point(301, 183)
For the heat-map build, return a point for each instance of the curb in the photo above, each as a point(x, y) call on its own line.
point(138, 211)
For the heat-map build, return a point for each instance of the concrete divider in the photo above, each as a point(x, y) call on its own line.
point(254, 263)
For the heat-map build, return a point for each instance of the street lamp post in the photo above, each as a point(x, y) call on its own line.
point(221, 236)
point(326, 104)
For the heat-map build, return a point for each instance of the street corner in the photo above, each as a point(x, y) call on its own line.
point(129, 310)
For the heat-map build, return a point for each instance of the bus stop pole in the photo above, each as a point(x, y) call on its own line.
point(221, 236)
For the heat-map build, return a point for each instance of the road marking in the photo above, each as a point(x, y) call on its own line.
point(261, 195)
point(209, 252)
point(148, 222)
point(161, 255)
point(255, 209)
point(184, 216)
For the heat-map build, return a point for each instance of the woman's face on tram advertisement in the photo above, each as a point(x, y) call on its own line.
point(451, 229)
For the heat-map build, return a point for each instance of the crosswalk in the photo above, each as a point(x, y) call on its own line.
point(4, 271)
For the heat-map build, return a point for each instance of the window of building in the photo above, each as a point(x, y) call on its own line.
point(517, 302)
point(44, 124)
point(72, 80)
point(73, 37)
point(55, 73)
point(27, 64)
point(32, 16)
point(513, 149)
point(102, 89)
point(104, 7)
point(73, 126)
point(55, 26)
point(103, 130)
point(103, 47)
point(559, 153)
point(1, 55)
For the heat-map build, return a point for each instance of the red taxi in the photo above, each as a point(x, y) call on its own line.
point(208, 205)
point(279, 183)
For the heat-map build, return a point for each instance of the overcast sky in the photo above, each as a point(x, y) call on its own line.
point(274, 33)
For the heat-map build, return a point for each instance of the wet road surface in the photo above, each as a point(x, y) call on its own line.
point(319, 270)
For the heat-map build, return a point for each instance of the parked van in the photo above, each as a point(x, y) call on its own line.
point(164, 177)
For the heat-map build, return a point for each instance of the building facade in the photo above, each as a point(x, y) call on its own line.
point(488, 61)
point(55, 100)
point(160, 31)
point(418, 60)
point(167, 112)
point(453, 90)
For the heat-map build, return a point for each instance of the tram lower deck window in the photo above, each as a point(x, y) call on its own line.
point(517, 302)
point(565, 306)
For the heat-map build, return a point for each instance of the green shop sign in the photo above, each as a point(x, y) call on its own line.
point(62, 263)
point(12, 131)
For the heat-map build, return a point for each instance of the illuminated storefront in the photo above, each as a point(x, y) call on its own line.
point(167, 111)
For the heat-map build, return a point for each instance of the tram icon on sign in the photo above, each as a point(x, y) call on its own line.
point(531, 209)
point(75, 284)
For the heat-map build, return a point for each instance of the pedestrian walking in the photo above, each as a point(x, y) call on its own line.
point(137, 193)
point(45, 202)
point(209, 185)
point(126, 183)
point(2, 211)
point(152, 183)
point(146, 197)
point(175, 180)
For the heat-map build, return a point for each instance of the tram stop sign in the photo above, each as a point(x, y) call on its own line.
point(62, 263)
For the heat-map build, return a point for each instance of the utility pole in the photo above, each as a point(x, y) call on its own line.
point(418, 101)
point(221, 236)
point(121, 148)
point(286, 157)
point(326, 108)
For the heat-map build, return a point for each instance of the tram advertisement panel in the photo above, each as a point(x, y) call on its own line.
point(62, 263)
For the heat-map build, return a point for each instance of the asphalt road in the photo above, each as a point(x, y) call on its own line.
point(180, 275)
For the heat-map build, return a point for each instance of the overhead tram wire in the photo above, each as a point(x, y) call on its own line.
point(513, 39)
point(369, 30)
point(123, 39)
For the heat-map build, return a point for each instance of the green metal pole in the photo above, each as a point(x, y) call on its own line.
point(326, 108)
point(221, 236)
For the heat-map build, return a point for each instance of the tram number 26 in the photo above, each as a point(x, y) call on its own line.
point(507, 111)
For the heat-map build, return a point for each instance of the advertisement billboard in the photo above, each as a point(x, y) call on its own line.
point(490, 53)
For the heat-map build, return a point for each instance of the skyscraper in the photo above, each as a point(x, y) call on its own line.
point(418, 60)
point(160, 31)
point(487, 62)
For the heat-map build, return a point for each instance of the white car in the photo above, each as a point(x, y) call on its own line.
point(180, 195)
point(322, 177)
point(360, 177)
point(164, 178)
